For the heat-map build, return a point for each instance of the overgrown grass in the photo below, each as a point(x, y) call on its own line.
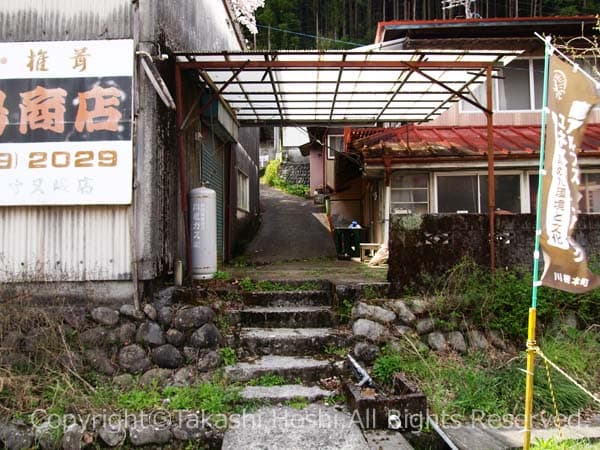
point(268, 379)
point(228, 355)
point(344, 310)
point(297, 403)
point(569, 444)
point(250, 285)
point(502, 300)
point(460, 386)
point(333, 350)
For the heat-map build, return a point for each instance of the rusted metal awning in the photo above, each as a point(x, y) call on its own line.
point(290, 88)
point(337, 88)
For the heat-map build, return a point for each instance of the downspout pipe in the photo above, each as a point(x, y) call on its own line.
point(491, 179)
point(182, 169)
point(388, 201)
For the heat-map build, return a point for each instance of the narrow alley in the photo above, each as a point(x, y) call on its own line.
point(292, 228)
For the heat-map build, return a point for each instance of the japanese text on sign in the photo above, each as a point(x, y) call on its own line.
point(66, 122)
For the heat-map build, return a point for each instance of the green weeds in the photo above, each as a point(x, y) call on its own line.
point(344, 310)
point(502, 300)
point(228, 355)
point(268, 379)
point(570, 444)
point(479, 383)
point(272, 178)
point(249, 285)
point(341, 352)
point(297, 403)
point(222, 275)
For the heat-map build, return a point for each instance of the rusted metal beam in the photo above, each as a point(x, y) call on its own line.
point(326, 108)
point(337, 88)
point(311, 64)
point(391, 99)
point(275, 93)
point(452, 99)
point(242, 89)
point(454, 92)
point(393, 80)
point(210, 101)
point(489, 114)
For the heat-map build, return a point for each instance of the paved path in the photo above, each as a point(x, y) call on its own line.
point(291, 228)
point(478, 437)
point(316, 427)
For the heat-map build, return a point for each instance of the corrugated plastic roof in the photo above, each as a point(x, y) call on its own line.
point(337, 87)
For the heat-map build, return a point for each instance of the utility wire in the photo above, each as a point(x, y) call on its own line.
point(355, 44)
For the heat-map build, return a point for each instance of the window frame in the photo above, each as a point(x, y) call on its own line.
point(478, 173)
point(535, 172)
point(496, 92)
point(426, 189)
point(244, 187)
point(331, 150)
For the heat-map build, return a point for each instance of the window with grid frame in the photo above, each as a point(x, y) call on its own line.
point(468, 193)
point(410, 193)
point(243, 191)
point(335, 144)
point(517, 87)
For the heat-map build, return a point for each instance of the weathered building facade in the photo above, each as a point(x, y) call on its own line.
point(120, 245)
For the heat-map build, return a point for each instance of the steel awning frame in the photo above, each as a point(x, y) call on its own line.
point(293, 88)
point(426, 71)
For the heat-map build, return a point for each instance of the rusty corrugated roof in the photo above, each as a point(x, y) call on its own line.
point(429, 141)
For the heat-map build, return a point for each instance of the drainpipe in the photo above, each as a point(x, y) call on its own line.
point(388, 200)
point(182, 170)
point(491, 180)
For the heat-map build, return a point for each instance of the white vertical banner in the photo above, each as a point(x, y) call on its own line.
point(570, 100)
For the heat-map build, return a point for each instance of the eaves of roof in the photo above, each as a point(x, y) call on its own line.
point(508, 27)
point(417, 142)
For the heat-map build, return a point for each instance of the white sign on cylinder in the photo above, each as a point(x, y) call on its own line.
point(203, 233)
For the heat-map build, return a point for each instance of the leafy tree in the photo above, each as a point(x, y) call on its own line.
point(309, 24)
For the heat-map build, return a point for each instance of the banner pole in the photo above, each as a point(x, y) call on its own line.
point(531, 343)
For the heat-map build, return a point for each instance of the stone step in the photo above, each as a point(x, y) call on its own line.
point(290, 341)
point(283, 427)
point(288, 298)
point(287, 392)
point(386, 440)
point(288, 316)
point(289, 367)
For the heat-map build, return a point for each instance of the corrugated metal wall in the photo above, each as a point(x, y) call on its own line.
point(58, 20)
point(213, 173)
point(64, 243)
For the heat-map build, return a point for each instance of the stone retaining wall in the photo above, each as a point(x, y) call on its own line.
point(174, 341)
point(431, 244)
point(295, 173)
point(381, 322)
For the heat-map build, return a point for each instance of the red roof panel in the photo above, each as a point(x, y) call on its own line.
point(509, 141)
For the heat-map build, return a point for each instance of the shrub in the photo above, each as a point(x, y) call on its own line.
point(272, 172)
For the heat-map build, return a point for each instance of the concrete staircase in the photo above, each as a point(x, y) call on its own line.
point(286, 333)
